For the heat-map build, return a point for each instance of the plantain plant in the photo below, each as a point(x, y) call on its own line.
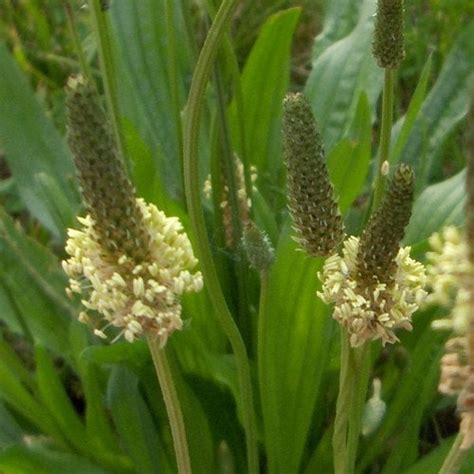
point(300, 184)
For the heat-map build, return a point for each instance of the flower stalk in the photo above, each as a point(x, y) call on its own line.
point(193, 199)
point(172, 404)
point(455, 458)
point(385, 135)
point(129, 262)
point(100, 17)
point(353, 384)
point(388, 51)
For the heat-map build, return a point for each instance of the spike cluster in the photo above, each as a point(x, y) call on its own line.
point(376, 311)
point(454, 366)
point(388, 48)
point(312, 203)
point(129, 262)
point(375, 285)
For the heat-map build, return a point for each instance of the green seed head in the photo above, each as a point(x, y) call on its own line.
point(107, 192)
point(312, 203)
point(258, 247)
point(380, 242)
point(387, 46)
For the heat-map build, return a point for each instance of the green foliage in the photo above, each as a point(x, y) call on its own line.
point(445, 106)
point(270, 57)
point(340, 74)
point(438, 205)
point(35, 152)
point(70, 403)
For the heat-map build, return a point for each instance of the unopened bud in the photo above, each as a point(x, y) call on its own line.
point(258, 247)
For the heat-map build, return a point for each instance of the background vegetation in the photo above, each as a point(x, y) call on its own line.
point(69, 403)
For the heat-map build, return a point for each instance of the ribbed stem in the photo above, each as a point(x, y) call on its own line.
point(104, 46)
point(361, 374)
point(385, 134)
point(261, 338)
point(86, 70)
point(353, 382)
point(456, 456)
point(173, 407)
point(172, 66)
point(229, 168)
point(192, 189)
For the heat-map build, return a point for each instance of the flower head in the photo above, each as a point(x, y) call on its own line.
point(454, 366)
point(376, 311)
point(140, 297)
point(447, 271)
point(129, 262)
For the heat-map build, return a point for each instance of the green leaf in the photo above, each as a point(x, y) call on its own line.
point(433, 461)
point(33, 148)
point(40, 460)
point(9, 313)
point(143, 169)
point(134, 355)
point(55, 398)
point(269, 60)
point(340, 74)
point(100, 431)
point(438, 205)
point(10, 431)
point(198, 432)
point(349, 160)
point(196, 358)
point(31, 277)
point(446, 105)
point(20, 398)
point(16, 365)
point(412, 395)
point(296, 348)
point(145, 89)
point(340, 17)
point(401, 130)
point(133, 421)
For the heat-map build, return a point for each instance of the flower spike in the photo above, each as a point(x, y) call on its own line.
point(129, 262)
point(312, 203)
